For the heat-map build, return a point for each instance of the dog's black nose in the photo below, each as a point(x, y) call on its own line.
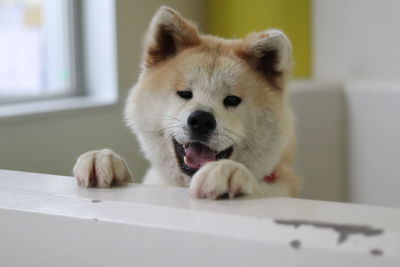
point(201, 122)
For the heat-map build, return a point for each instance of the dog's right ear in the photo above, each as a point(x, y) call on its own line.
point(168, 34)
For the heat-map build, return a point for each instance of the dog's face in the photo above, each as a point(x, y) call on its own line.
point(202, 98)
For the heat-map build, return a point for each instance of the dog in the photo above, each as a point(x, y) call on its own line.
point(210, 114)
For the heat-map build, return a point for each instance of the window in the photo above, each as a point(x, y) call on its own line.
point(56, 55)
point(37, 43)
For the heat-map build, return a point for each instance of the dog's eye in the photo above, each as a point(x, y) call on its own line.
point(185, 94)
point(232, 101)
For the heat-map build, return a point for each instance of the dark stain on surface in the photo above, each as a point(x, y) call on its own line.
point(376, 252)
point(344, 230)
point(96, 200)
point(296, 244)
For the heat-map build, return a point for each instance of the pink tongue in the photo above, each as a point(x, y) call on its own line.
point(197, 155)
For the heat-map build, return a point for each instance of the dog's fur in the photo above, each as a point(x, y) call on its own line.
point(260, 129)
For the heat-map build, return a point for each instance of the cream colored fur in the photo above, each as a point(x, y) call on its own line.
point(177, 57)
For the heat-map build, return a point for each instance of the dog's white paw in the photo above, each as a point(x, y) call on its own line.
point(223, 178)
point(101, 168)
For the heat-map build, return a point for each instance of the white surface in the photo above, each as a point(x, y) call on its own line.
point(356, 39)
point(320, 126)
point(53, 222)
point(373, 142)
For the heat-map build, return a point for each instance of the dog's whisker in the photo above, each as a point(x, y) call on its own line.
point(226, 140)
point(233, 132)
point(232, 140)
point(170, 127)
point(166, 116)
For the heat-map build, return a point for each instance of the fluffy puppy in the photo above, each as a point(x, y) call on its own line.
point(210, 114)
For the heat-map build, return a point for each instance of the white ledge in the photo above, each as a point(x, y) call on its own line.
point(50, 220)
point(27, 110)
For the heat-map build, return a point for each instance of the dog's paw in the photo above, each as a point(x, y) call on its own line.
point(223, 178)
point(101, 168)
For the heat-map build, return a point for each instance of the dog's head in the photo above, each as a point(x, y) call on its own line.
point(202, 98)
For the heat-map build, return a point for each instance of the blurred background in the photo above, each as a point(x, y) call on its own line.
point(66, 67)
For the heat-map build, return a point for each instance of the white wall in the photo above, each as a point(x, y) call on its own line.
point(373, 142)
point(50, 143)
point(356, 39)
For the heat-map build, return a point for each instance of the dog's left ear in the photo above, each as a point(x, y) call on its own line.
point(270, 54)
point(168, 34)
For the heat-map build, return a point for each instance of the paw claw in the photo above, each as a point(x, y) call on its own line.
point(222, 179)
point(101, 168)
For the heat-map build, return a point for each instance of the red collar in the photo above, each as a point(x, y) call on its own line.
point(269, 179)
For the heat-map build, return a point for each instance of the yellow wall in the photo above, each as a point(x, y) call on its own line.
point(236, 18)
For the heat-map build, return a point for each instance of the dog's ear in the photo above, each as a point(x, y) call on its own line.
point(168, 34)
point(269, 53)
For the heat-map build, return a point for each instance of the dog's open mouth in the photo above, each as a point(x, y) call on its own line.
point(192, 156)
